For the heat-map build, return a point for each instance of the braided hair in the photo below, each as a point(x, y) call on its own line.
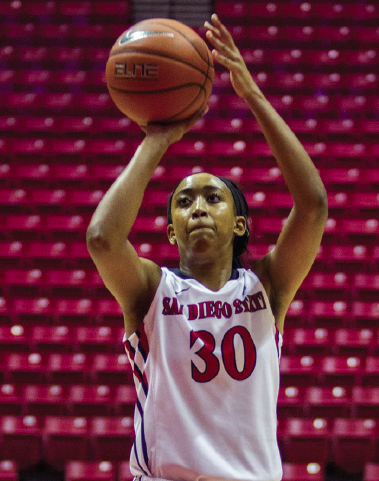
point(242, 209)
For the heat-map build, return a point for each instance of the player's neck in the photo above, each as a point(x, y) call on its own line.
point(213, 276)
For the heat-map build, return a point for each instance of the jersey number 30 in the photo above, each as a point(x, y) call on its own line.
point(212, 364)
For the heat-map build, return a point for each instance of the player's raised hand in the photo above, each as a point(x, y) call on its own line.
point(174, 131)
point(227, 54)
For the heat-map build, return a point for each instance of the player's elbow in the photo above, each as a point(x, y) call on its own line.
point(97, 241)
point(317, 206)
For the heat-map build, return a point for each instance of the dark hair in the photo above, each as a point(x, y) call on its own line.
point(242, 208)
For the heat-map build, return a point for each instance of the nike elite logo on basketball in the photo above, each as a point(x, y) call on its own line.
point(136, 70)
point(129, 36)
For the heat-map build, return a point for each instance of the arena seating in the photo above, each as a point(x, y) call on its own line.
point(66, 387)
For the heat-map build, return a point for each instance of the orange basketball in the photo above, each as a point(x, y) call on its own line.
point(159, 70)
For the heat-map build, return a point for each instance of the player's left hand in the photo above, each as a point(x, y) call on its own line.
point(228, 55)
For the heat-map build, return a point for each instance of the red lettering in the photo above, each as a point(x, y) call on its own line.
point(201, 310)
point(210, 309)
point(175, 310)
point(166, 306)
point(218, 309)
point(192, 312)
point(227, 310)
point(237, 306)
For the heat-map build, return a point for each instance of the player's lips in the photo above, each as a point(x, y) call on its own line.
point(201, 227)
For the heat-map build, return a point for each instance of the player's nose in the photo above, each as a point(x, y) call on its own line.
point(199, 208)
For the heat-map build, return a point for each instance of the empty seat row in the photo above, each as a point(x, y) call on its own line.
point(67, 400)
point(239, 148)
point(106, 399)
point(34, 198)
point(45, 225)
point(60, 310)
point(223, 105)
point(326, 371)
point(273, 34)
point(102, 126)
point(49, 279)
point(39, 8)
point(65, 368)
point(92, 339)
point(298, 82)
point(328, 402)
point(27, 252)
point(83, 175)
point(57, 439)
point(63, 338)
point(340, 313)
point(346, 58)
point(351, 12)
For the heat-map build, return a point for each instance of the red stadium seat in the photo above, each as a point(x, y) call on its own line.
point(21, 440)
point(291, 402)
point(302, 472)
point(65, 438)
point(299, 370)
point(371, 472)
point(353, 443)
point(365, 313)
point(89, 471)
point(355, 342)
point(329, 313)
point(308, 341)
point(125, 399)
point(71, 311)
point(365, 401)
point(305, 440)
point(42, 400)
point(67, 368)
point(14, 338)
point(24, 368)
point(66, 278)
point(10, 400)
point(327, 402)
point(111, 438)
point(327, 282)
point(47, 197)
point(14, 197)
point(91, 400)
point(95, 338)
point(341, 370)
point(370, 377)
point(124, 473)
point(52, 338)
point(24, 278)
point(111, 369)
point(9, 470)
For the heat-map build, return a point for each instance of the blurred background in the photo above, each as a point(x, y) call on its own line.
point(66, 387)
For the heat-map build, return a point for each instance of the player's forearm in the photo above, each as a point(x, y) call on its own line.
point(294, 162)
point(115, 215)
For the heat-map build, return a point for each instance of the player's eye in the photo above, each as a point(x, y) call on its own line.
point(183, 201)
point(214, 198)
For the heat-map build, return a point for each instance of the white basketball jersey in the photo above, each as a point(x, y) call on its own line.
point(206, 369)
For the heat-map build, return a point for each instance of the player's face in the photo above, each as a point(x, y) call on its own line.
point(203, 215)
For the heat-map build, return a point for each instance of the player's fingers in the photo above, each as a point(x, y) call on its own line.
point(224, 32)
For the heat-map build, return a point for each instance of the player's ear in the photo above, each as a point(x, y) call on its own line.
point(240, 225)
point(171, 234)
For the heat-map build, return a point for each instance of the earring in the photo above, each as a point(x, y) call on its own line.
point(172, 240)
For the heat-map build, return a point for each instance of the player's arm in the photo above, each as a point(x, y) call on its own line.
point(283, 270)
point(132, 280)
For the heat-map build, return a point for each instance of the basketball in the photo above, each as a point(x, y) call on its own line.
point(159, 70)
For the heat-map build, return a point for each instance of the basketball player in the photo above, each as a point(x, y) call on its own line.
point(204, 339)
